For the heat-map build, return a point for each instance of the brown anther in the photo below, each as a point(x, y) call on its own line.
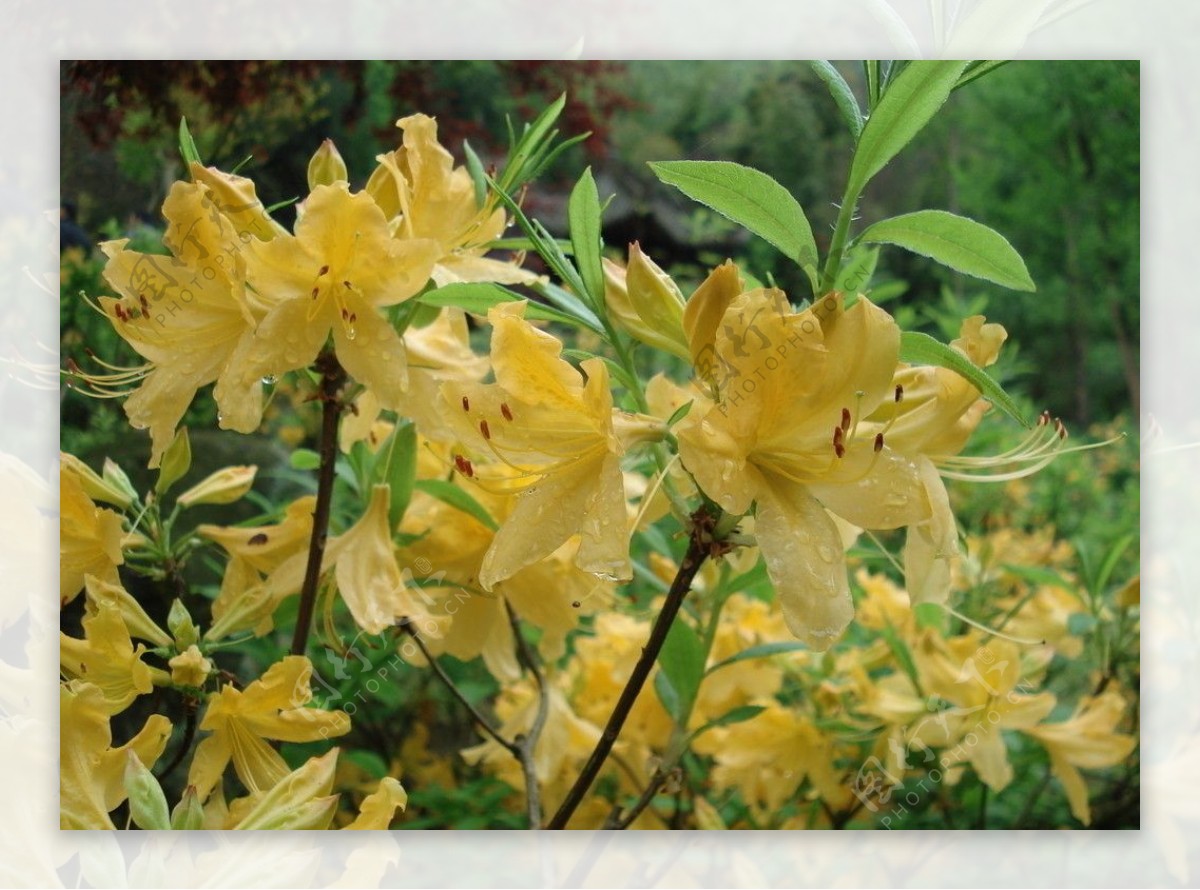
point(260, 538)
point(353, 317)
point(316, 292)
point(87, 350)
point(878, 442)
point(466, 404)
point(845, 419)
point(839, 435)
point(145, 303)
point(72, 366)
point(505, 411)
point(468, 470)
point(839, 449)
point(899, 391)
point(345, 315)
point(483, 428)
point(575, 604)
point(347, 285)
point(120, 310)
point(324, 270)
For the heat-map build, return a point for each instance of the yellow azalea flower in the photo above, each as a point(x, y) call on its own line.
point(89, 539)
point(225, 486)
point(300, 801)
point(335, 275)
point(368, 578)
point(107, 657)
point(981, 679)
point(564, 436)
point(138, 623)
point(185, 313)
point(236, 199)
point(551, 594)
point(1088, 740)
point(91, 771)
point(254, 552)
point(272, 707)
point(379, 808)
point(783, 433)
point(96, 487)
point(438, 352)
point(426, 196)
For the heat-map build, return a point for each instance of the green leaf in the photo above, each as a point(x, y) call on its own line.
point(478, 297)
point(569, 303)
point(398, 468)
point(955, 241)
point(921, 349)
point(478, 177)
point(904, 109)
point(750, 198)
point(843, 96)
point(930, 615)
point(855, 273)
point(682, 661)
point(451, 494)
point(764, 650)
point(615, 371)
point(175, 463)
point(305, 459)
point(737, 715)
point(902, 653)
point(187, 145)
point(680, 413)
point(666, 693)
point(583, 213)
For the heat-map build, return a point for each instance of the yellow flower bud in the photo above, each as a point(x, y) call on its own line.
point(326, 166)
point(190, 668)
point(96, 488)
point(656, 299)
point(624, 316)
point(223, 487)
point(188, 814)
point(181, 626)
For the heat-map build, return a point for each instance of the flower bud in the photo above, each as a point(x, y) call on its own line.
point(657, 328)
point(223, 487)
point(116, 478)
point(95, 487)
point(326, 166)
point(147, 803)
point(190, 668)
point(176, 461)
point(181, 626)
point(188, 814)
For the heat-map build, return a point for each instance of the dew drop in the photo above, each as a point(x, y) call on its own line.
point(269, 380)
point(351, 332)
point(825, 552)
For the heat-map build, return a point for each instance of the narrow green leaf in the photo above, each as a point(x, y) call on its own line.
point(680, 413)
point(478, 297)
point(764, 650)
point(478, 177)
point(398, 468)
point(569, 303)
point(976, 70)
point(187, 145)
point(902, 653)
point(750, 198)
point(921, 349)
point(682, 660)
point(615, 371)
point(583, 213)
point(856, 271)
point(843, 96)
point(451, 494)
point(666, 693)
point(955, 241)
point(904, 109)
point(739, 714)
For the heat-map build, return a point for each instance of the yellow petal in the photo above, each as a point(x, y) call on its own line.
point(803, 554)
point(374, 356)
point(704, 311)
point(368, 577)
point(299, 800)
point(379, 807)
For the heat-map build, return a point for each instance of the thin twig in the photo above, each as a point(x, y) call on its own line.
point(527, 743)
point(700, 545)
point(621, 820)
point(332, 377)
point(486, 725)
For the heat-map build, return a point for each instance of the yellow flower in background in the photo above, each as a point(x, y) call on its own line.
point(1088, 740)
point(91, 771)
point(562, 434)
point(89, 538)
point(272, 707)
point(424, 195)
point(784, 434)
point(185, 313)
point(190, 668)
point(333, 276)
point(379, 807)
point(107, 658)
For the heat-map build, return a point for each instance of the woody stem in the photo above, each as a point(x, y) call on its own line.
point(332, 378)
point(700, 545)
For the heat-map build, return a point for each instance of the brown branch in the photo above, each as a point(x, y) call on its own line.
point(486, 725)
point(701, 545)
point(621, 820)
point(527, 743)
point(332, 378)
